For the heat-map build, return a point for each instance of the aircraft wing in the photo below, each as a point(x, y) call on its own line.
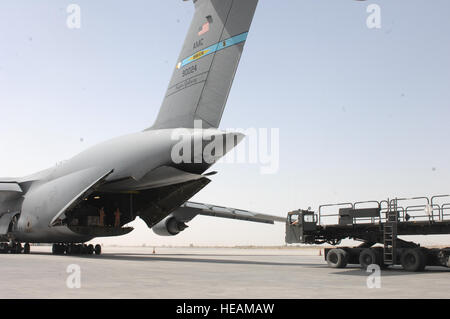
point(190, 209)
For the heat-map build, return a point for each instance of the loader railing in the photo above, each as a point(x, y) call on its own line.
point(432, 209)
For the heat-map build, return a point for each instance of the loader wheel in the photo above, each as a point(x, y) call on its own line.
point(369, 257)
point(26, 248)
point(414, 260)
point(98, 249)
point(337, 258)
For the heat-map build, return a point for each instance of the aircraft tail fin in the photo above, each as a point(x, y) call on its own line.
point(207, 64)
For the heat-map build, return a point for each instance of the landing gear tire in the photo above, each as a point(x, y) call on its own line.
point(98, 249)
point(78, 249)
point(414, 260)
point(69, 249)
point(58, 249)
point(370, 256)
point(337, 258)
point(26, 248)
point(17, 249)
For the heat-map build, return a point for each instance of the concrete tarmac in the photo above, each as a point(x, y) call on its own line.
point(130, 272)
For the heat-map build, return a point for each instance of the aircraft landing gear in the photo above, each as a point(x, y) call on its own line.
point(26, 248)
point(14, 248)
point(76, 249)
point(3, 248)
point(58, 249)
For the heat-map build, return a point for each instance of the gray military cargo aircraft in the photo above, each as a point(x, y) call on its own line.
point(98, 192)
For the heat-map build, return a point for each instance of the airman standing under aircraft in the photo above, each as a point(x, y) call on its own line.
point(102, 217)
point(117, 218)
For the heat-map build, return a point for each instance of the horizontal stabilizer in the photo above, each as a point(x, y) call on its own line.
point(190, 209)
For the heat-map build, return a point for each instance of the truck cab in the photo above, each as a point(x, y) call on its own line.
point(298, 224)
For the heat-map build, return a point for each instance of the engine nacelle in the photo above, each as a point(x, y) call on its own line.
point(169, 226)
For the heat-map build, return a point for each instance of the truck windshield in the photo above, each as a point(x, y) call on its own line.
point(293, 219)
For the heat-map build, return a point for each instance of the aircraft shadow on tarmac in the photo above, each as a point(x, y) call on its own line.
point(178, 258)
point(351, 270)
point(173, 258)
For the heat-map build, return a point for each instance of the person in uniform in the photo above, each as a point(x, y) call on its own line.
point(102, 217)
point(117, 218)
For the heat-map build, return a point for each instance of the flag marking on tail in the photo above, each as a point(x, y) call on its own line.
point(204, 29)
point(214, 48)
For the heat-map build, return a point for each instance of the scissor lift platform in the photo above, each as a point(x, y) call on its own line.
point(372, 223)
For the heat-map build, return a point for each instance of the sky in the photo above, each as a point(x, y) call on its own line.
point(362, 113)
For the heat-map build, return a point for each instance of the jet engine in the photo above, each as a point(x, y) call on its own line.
point(169, 226)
